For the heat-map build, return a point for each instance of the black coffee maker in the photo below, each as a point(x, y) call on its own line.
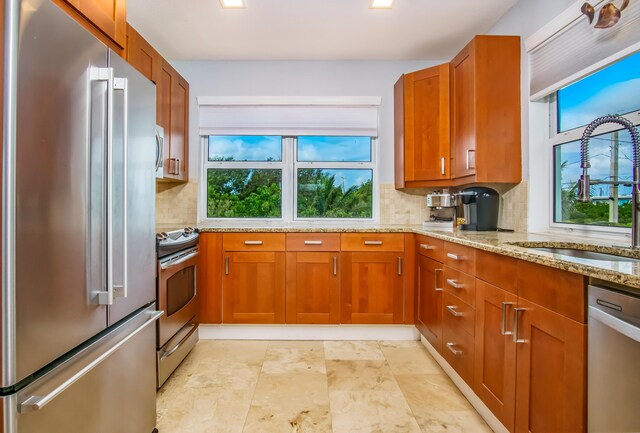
point(480, 208)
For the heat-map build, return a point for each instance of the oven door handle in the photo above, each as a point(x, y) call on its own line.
point(178, 260)
point(614, 323)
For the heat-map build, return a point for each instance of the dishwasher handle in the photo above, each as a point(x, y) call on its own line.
point(615, 323)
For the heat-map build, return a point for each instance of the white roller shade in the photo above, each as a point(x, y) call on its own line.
point(569, 48)
point(352, 117)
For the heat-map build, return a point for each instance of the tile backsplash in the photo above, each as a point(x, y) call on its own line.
point(176, 205)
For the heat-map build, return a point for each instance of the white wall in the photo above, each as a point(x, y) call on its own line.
point(297, 78)
point(524, 19)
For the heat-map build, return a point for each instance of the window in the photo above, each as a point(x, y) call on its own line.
point(290, 178)
point(613, 90)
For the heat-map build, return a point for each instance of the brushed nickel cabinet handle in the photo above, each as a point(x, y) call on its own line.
point(399, 265)
point(313, 242)
point(335, 265)
point(515, 326)
point(455, 284)
point(503, 326)
point(454, 313)
point(435, 274)
point(443, 161)
point(451, 347)
point(253, 242)
point(426, 246)
point(454, 256)
point(468, 164)
point(226, 265)
point(373, 242)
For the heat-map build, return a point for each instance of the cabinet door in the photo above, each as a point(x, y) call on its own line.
point(463, 112)
point(253, 287)
point(108, 15)
point(372, 287)
point(163, 109)
point(210, 278)
point(429, 318)
point(141, 55)
point(551, 371)
point(313, 288)
point(427, 131)
point(495, 353)
point(178, 146)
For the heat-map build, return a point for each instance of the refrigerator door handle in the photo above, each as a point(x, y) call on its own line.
point(121, 84)
point(35, 402)
point(106, 74)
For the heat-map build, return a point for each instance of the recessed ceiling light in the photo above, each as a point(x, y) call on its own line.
point(381, 4)
point(232, 4)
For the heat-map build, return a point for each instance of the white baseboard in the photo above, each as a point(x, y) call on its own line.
point(308, 332)
point(475, 401)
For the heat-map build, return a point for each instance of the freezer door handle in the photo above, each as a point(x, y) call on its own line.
point(36, 402)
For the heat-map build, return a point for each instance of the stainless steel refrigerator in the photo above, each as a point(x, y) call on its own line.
point(78, 225)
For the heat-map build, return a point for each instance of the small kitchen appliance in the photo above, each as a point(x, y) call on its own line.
point(479, 209)
point(442, 211)
point(177, 296)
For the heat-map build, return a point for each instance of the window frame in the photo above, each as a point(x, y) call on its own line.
point(557, 138)
point(289, 166)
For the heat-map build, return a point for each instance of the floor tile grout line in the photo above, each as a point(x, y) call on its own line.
point(255, 386)
point(326, 374)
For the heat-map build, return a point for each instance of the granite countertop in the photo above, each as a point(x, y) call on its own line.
point(511, 244)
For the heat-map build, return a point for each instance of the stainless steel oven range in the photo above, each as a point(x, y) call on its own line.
point(177, 296)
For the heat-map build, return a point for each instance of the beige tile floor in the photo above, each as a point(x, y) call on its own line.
point(313, 386)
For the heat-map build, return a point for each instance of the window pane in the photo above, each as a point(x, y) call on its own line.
point(611, 205)
point(324, 193)
point(330, 149)
point(244, 193)
point(613, 90)
point(245, 148)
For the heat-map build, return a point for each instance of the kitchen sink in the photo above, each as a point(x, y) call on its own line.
point(585, 254)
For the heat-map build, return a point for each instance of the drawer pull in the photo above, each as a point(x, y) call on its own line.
point(454, 313)
point(253, 242)
point(454, 256)
point(503, 327)
point(426, 246)
point(313, 242)
point(435, 274)
point(451, 347)
point(373, 242)
point(455, 284)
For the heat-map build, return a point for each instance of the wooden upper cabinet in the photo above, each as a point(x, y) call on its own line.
point(485, 111)
point(372, 287)
point(108, 17)
point(422, 129)
point(253, 287)
point(551, 371)
point(179, 144)
point(142, 56)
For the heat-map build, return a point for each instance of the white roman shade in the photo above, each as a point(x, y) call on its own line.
point(569, 48)
point(357, 116)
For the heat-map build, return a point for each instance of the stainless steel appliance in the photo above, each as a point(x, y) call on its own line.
point(177, 297)
point(159, 152)
point(614, 351)
point(78, 218)
point(480, 208)
point(442, 211)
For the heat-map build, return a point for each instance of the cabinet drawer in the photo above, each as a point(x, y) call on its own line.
point(499, 270)
point(460, 284)
point(253, 241)
point(430, 247)
point(460, 257)
point(458, 348)
point(313, 242)
point(459, 312)
point(372, 242)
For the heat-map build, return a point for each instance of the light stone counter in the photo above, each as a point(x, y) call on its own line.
point(509, 244)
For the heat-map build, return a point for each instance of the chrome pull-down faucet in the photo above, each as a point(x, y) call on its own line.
point(584, 183)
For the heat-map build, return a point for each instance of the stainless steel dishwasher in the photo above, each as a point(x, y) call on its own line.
point(614, 360)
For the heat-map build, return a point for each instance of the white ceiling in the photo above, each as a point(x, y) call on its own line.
point(312, 29)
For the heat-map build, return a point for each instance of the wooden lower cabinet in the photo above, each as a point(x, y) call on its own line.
point(253, 287)
point(372, 287)
point(209, 278)
point(495, 352)
point(313, 288)
point(429, 288)
point(551, 373)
